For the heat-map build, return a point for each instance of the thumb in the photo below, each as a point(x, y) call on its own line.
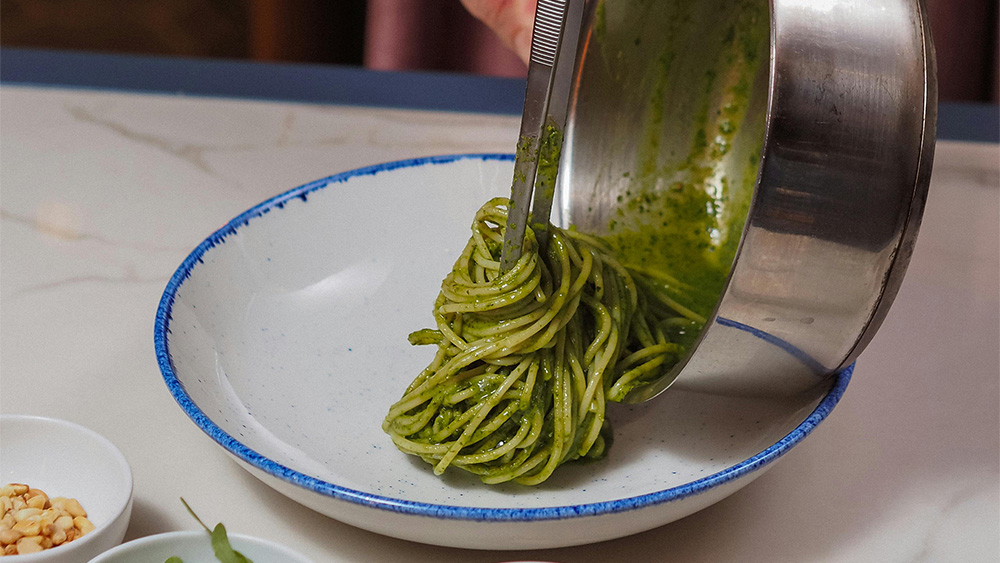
point(510, 20)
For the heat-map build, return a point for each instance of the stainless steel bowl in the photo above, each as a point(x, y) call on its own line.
point(806, 127)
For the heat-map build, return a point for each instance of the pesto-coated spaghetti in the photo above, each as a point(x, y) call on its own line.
point(527, 359)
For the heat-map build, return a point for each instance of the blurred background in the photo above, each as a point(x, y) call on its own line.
point(432, 35)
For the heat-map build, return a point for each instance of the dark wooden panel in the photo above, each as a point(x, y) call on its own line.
point(212, 28)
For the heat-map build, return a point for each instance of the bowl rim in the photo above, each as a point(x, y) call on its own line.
point(442, 511)
point(140, 542)
point(65, 550)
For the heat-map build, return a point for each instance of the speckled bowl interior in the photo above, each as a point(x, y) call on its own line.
point(283, 336)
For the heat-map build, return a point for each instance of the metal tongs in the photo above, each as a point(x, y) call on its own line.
point(546, 102)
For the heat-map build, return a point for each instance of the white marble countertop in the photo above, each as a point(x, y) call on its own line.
point(104, 193)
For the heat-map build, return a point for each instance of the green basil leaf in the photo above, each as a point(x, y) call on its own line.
point(224, 552)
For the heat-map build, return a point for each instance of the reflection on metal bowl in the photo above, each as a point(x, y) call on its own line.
point(805, 128)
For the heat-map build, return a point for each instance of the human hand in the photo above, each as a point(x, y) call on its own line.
point(510, 20)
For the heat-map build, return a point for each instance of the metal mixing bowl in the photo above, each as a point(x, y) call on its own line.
point(806, 128)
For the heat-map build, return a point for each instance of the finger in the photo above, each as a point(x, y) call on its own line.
point(511, 20)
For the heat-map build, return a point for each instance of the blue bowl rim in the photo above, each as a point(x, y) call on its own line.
point(442, 511)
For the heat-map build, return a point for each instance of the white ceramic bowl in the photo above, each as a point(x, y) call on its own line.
point(196, 547)
point(283, 336)
point(67, 460)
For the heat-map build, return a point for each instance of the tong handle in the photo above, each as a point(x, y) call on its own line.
point(550, 17)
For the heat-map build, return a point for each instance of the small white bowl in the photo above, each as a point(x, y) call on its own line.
point(196, 547)
point(67, 460)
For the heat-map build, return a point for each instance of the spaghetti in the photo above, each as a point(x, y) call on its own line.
point(527, 359)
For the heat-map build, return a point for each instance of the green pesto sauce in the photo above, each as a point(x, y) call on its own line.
point(524, 153)
point(549, 151)
point(601, 22)
point(685, 217)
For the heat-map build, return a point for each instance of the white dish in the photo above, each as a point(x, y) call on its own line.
point(283, 336)
point(67, 460)
point(196, 547)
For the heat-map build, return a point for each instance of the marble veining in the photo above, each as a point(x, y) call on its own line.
point(103, 194)
point(193, 154)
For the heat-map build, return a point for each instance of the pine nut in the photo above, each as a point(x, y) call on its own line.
point(70, 505)
point(81, 523)
point(29, 545)
point(32, 522)
point(18, 488)
point(9, 535)
point(64, 523)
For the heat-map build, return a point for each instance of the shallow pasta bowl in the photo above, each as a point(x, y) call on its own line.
point(283, 337)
